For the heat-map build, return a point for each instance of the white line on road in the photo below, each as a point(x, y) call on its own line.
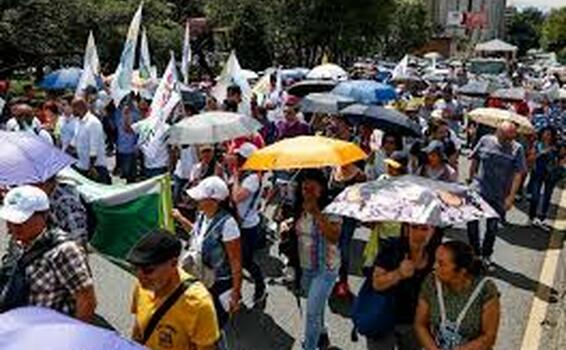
point(533, 332)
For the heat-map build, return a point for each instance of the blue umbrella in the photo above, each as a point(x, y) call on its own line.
point(45, 329)
point(26, 158)
point(66, 78)
point(366, 91)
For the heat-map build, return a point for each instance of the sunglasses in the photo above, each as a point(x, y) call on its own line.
point(146, 270)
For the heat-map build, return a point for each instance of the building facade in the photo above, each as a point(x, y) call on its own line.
point(479, 19)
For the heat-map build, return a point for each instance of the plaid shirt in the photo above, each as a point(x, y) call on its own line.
point(58, 275)
point(68, 212)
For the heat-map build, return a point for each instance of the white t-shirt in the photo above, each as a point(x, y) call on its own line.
point(89, 142)
point(67, 127)
point(45, 136)
point(252, 184)
point(186, 162)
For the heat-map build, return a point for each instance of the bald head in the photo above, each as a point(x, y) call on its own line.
point(80, 107)
point(507, 131)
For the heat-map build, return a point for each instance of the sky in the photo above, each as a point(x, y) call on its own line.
point(542, 4)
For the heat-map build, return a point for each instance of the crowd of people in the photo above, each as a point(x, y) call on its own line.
point(189, 283)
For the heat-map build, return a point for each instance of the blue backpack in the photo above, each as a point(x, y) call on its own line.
point(373, 312)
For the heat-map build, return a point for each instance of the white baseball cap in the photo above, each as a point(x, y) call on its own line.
point(212, 187)
point(246, 149)
point(22, 202)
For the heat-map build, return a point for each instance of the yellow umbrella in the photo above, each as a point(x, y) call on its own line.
point(305, 152)
point(495, 116)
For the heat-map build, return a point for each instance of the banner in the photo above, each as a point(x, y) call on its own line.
point(121, 84)
point(122, 214)
point(164, 101)
point(187, 54)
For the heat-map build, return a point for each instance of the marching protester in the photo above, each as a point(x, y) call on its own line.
point(172, 309)
point(51, 269)
point(401, 268)
point(436, 166)
point(89, 145)
point(214, 253)
point(496, 171)
point(246, 194)
point(458, 306)
point(318, 236)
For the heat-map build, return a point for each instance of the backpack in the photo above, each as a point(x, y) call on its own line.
point(14, 284)
point(373, 312)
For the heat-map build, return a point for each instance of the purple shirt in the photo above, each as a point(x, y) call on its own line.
point(288, 130)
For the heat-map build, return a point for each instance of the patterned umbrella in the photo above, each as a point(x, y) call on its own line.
point(412, 199)
point(26, 158)
point(40, 328)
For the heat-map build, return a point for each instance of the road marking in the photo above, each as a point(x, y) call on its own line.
point(533, 332)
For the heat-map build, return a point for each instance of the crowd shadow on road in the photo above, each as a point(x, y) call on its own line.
point(518, 280)
point(253, 329)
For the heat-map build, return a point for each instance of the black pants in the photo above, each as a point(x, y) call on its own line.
point(485, 249)
point(250, 243)
point(216, 291)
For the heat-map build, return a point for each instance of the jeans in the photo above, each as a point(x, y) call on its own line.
point(178, 187)
point(486, 249)
point(318, 285)
point(250, 242)
point(127, 166)
point(348, 228)
point(148, 173)
point(537, 187)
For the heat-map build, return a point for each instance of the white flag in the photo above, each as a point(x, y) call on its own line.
point(91, 67)
point(232, 74)
point(121, 84)
point(164, 101)
point(91, 55)
point(401, 69)
point(145, 59)
point(187, 54)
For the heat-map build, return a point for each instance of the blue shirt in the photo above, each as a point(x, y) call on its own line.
point(126, 141)
point(498, 164)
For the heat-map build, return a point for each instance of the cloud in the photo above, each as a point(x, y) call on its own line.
point(543, 4)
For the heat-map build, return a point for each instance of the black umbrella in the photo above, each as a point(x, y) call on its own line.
point(324, 102)
point(306, 87)
point(476, 88)
point(386, 119)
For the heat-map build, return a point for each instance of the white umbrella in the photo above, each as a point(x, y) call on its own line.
point(212, 127)
point(328, 71)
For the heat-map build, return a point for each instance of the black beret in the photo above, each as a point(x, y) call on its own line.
point(155, 248)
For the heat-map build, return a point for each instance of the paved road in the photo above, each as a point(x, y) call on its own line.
point(519, 254)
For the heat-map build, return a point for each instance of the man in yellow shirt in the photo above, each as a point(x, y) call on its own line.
point(188, 320)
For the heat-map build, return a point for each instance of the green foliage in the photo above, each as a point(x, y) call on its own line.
point(524, 29)
point(39, 33)
point(409, 30)
point(554, 32)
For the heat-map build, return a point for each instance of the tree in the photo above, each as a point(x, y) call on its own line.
point(410, 29)
point(41, 33)
point(524, 29)
point(250, 40)
point(554, 33)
